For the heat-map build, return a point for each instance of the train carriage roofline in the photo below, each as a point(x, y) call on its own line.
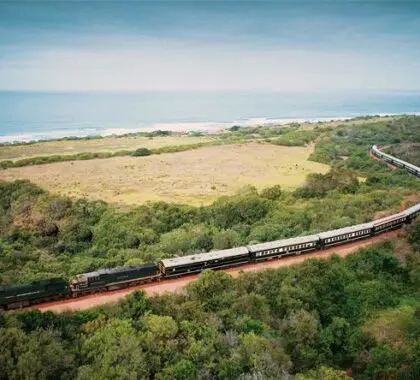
point(283, 243)
point(376, 150)
point(412, 210)
point(345, 230)
point(389, 218)
point(203, 257)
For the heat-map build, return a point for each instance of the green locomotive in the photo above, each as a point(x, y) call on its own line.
point(111, 279)
point(21, 295)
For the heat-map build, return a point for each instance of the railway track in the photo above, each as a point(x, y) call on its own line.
point(177, 284)
point(173, 274)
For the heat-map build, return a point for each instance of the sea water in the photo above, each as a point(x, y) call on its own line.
point(27, 116)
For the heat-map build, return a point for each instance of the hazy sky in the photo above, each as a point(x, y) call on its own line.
point(230, 45)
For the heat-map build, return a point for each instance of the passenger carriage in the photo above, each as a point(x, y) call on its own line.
point(346, 234)
point(389, 222)
point(412, 212)
point(280, 248)
point(178, 266)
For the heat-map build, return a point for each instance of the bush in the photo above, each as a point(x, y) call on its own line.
point(141, 152)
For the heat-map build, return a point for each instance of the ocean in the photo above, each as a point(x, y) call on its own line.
point(26, 116)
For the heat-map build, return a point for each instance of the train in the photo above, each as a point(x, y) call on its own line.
point(22, 295)
point(395, 161)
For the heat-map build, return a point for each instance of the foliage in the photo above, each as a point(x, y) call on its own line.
point(406, 152)
point(320, 184)
point(314, 320)
point(141, 152)
point(43, 160)
point(297, 137)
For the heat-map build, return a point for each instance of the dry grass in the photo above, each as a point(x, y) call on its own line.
point(195, 177)
point(108, 144)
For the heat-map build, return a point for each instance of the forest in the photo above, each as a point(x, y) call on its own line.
point(324, 319)
point(42, 235)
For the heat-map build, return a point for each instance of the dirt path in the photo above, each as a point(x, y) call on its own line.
point(177, 284)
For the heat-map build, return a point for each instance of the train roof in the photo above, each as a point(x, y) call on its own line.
point(412, 209)
point(405, 163)
point(345, 230)
point(213, 255)
point(118, 270)
point(282, 243)
point(389, 218)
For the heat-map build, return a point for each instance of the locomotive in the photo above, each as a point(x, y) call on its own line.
point(15, 296)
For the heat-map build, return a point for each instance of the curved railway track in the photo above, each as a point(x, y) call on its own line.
point(175, 273)
point(174, 285)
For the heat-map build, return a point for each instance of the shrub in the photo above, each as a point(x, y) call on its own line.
point(141, 152)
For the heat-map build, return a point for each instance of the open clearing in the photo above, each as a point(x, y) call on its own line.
point(107, 144)
point(195, 177)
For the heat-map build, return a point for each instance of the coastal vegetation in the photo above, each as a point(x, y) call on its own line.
point(97, 145)
point(408, 152)
point(331, 319)
point(334, 318)
point(44, 234)
point(193, 176)
point(50, 159)
point(19, 154)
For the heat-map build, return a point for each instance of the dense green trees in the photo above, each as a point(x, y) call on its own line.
point(42, 235)
point(310, 321)
point(316, 320)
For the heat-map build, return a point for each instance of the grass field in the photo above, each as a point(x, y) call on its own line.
point(108, 144)
point(195, 177)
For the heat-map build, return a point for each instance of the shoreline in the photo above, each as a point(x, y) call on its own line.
point(176, 127)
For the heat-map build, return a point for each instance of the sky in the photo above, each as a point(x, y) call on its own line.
point(210, 46)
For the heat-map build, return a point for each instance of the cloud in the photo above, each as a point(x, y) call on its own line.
point(156, 64)
point(209, 46)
